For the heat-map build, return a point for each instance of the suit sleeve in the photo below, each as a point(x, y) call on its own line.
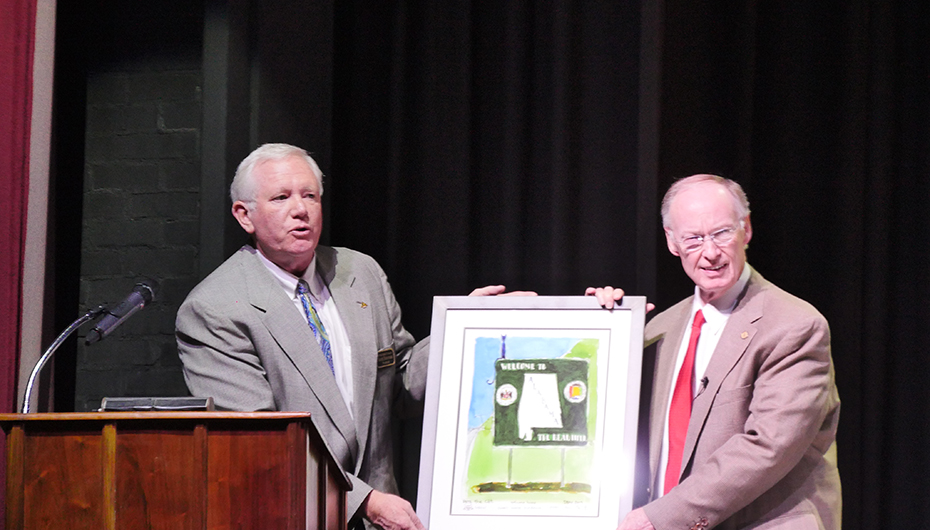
point(412, 356)
point(405, 397)
point(774, 418)
point(219, 358)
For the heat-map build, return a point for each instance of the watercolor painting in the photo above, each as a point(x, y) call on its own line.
point(531, 413)
point(532, 421)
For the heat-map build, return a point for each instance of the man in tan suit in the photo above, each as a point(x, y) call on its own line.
point(249, 335)
point(756, 448)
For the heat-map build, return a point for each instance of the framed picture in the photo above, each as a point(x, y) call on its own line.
point(531, 412)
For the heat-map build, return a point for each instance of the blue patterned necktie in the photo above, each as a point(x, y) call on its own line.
point(313, 318)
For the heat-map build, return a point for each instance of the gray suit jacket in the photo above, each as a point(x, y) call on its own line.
point(761, 445)
point(242, 341)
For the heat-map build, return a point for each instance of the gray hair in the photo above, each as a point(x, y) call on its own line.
point(741, 203)
point(243, 184)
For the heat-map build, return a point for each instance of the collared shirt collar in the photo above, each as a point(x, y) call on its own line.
point(725, 304)
point(288, 281)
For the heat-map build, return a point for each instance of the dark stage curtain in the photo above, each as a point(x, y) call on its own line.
point(479, 142)
point(489, 143)
point(822, 111)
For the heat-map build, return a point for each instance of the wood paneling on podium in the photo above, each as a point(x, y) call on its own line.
point(184, 470)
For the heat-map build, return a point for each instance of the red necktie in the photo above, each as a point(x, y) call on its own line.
point(679, 413)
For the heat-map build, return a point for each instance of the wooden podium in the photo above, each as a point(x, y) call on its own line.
point(185, 470)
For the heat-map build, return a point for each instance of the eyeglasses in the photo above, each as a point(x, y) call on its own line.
point(720, 238)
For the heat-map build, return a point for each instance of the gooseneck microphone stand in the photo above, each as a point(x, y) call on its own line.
point(90, 315)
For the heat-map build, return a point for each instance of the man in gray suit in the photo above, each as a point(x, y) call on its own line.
point(290, 325)
point(744, 410)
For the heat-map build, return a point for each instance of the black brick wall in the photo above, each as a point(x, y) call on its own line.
point(141, 222)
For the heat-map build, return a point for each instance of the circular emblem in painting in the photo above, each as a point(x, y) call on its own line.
point(575, 392)
point(506, 394)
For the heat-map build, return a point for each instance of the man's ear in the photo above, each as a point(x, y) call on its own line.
point(672, 244)
point(747, 229)
point(241, 212)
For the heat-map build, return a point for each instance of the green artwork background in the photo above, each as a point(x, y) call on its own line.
point(573, 416)
point(489, 464)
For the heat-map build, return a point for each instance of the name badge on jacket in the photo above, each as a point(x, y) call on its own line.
point(386, 358)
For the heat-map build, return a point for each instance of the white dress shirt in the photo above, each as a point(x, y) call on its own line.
point(716, 314)
point(326, 309)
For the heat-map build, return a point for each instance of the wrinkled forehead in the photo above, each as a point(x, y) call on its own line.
point(703, 206)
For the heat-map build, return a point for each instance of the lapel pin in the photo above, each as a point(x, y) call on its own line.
point(362, 304)
point(744, 335)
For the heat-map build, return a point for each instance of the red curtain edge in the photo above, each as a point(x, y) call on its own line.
point(17, 52)
point(16, 64)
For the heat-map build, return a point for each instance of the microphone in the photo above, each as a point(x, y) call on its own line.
point(142, 294)
point(703, 387)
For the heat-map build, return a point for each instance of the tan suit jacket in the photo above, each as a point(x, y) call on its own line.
point(243, 342)
point(761, 445)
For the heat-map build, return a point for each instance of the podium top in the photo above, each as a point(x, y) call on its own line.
point(152, 415)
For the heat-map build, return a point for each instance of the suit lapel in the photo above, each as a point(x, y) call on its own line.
point(735, 339)
point(280, 316)
point(354, 306)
